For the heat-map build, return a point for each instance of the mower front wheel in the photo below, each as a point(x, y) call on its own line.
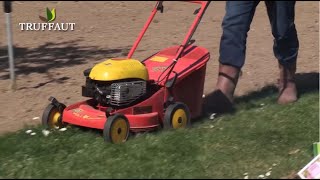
point(51, 117)
point(176, 116)
point(116, 129)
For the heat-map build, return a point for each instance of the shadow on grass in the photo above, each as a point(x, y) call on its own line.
point(306, 82)
point(54, 55)
point(99, 132)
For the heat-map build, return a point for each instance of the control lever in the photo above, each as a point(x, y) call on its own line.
point(196, 11)
point(160, 7)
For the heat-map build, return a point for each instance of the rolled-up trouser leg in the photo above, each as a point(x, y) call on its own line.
point(235, 25)
point(281, 15)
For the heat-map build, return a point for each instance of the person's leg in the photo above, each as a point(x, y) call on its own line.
point(281, 15)
point(235, 25)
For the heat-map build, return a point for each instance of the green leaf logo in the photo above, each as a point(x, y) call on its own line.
point(51, 15)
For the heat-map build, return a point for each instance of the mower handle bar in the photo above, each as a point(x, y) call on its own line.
point(159, 6)
point(196, 2)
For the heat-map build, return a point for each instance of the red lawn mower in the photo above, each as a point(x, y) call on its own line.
point(127, 95)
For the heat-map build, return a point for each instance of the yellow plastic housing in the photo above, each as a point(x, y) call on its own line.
point(117, 69)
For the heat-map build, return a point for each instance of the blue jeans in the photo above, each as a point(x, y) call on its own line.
point(236, 24)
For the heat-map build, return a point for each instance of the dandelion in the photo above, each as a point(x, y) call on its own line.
point(45, 132)
point(29, 131)
point(261, 176)
point(268, 173)
point(32, 134)
point(212, 116)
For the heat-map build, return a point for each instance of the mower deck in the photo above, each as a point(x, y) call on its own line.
point(143, 116)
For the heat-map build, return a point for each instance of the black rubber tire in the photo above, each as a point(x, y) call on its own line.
point(108, 128)
point(46, 116)
point(169, 113)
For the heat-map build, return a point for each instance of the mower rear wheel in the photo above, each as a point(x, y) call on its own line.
point(51, 117)
point(116, 129)
point(176, 116)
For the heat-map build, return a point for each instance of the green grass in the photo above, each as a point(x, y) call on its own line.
point(250, 141)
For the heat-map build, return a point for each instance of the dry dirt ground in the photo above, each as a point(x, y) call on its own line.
point(51, 63)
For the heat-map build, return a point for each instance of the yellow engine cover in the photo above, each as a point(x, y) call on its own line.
point(114, 69)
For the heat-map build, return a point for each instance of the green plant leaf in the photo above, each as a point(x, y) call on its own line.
point(53, 13)
point(49, 15)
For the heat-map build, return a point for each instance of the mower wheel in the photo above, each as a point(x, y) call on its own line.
point(51, 117)
point(176, 116)
point(116, 129)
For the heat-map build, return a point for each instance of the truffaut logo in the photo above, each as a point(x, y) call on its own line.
point(51, 15)
point(48, 23)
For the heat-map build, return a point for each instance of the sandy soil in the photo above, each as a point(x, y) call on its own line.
point(51, 63)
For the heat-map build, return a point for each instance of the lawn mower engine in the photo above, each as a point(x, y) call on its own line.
point(116, 82)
